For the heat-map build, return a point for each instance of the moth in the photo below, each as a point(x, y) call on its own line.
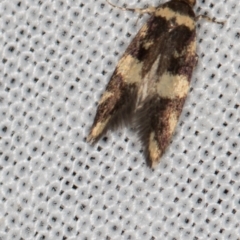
point(151, 81)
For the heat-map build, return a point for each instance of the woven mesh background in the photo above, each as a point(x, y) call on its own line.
point(56, 59)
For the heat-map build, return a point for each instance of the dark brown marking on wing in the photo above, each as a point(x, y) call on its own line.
point(119, 106)
point(164, 42)
point(153, 117)
point(181, 8)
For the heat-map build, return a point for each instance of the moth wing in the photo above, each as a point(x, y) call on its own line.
point(153, 75)
point(159, 113)
point(118, 102)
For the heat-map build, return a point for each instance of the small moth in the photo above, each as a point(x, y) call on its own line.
point(152, 78)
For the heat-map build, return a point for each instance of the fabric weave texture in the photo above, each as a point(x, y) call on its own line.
point(56, 59)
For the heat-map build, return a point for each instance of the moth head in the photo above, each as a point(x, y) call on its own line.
point(189, 2)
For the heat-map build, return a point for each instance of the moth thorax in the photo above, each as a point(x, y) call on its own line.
point(189, 2)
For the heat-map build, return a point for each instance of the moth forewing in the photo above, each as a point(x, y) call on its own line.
point(152, 79)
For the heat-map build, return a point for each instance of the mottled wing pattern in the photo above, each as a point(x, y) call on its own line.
point(152, 79)
point(119, 99)
point(169, 73)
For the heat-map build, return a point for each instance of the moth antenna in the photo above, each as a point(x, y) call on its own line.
point(149, 10)
point(199, 17)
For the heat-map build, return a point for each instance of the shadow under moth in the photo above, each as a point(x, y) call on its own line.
point(151, 81)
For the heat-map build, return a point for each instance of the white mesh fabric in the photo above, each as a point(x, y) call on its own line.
point(56, 59)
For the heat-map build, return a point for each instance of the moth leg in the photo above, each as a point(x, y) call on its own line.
point(199, 17)
point(149, 10)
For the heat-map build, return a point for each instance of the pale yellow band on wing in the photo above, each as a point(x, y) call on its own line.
point(130, 69)
point(98, 129)
point(172, 86)
point(191, 49)
point(172, 122)
point(104, 97)
point(154, 151)
point(169, 14)
point(143, 31)
point(148, 44)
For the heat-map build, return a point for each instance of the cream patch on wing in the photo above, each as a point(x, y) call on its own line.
point(191, 48)
point(105, 96)
point(143, 31)
point(148, 82)
point(172, 86)
point(154, 151)
point(172, 121)
point(169, 14)
point(98, 129)
point(148, 44)
point(130, 69)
